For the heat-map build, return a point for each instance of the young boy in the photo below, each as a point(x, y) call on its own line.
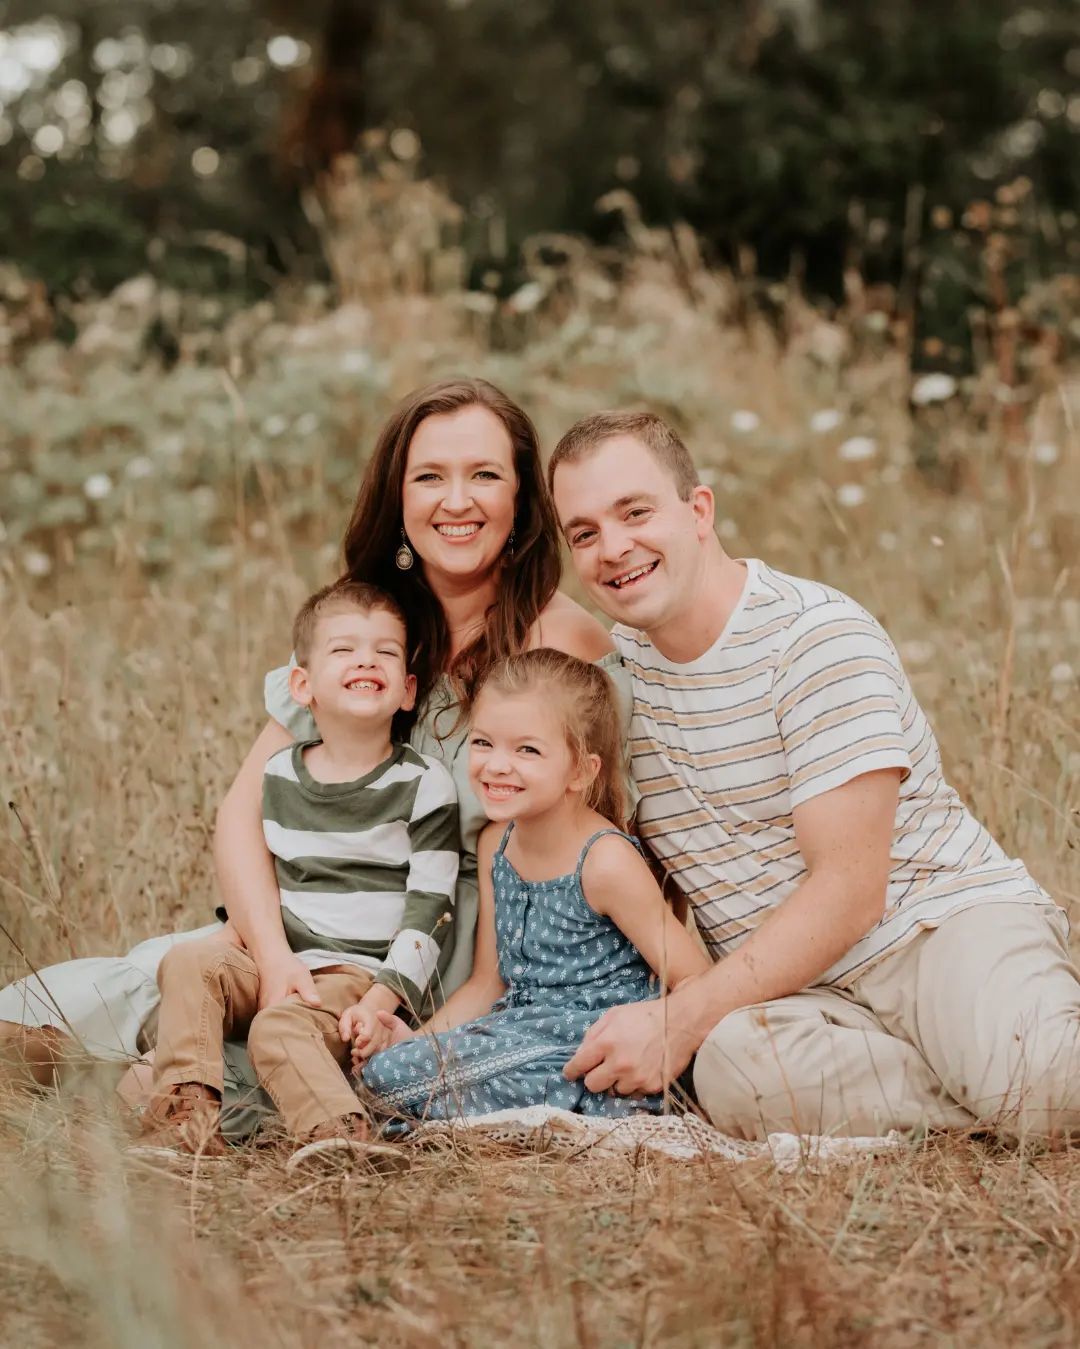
point(364, 834)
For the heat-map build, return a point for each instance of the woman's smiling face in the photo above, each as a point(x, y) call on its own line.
point(459, 492)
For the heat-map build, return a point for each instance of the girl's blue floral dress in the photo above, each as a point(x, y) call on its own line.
point(563, 965)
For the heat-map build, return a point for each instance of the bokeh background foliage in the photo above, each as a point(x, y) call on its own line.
point(793, 135)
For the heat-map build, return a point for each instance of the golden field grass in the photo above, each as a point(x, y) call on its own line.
point(130, 673)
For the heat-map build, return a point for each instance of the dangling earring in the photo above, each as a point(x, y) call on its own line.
point(510, 543)
point(403, 558)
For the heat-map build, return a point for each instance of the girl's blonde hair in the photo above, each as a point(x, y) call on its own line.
point(586, 699)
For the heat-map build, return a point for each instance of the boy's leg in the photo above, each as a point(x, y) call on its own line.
point(992, 1000)
point(818, 1062)
point(299, 1055)
point(209, 991)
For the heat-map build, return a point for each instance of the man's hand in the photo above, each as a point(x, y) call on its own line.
point(283, 976)
point(634, 1049)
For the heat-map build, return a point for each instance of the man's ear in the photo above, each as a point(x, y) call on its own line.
point(703, 504)
point(409, 700)
point(300, 686)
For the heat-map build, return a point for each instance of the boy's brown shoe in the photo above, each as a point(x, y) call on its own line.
point(186, 1119)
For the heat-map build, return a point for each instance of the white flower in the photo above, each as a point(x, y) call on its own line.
point(1046, 453)
point(858, 448)
point(936, 387)
point(1062, 673)
point(37, 564)
point(355, 362)
point(306, 424)
point(850, 494)
point(916, 652)
point(887, 541)
point(139, 467)
point(727, 529)
point(825, 420)
point(98, 486)
point(274, 424)
point(171, 445)
point(707, 477)
point(745, 421)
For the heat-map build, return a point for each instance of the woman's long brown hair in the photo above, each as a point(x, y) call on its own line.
point(529, 577)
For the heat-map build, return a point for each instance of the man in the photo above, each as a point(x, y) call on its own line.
point(880, 962)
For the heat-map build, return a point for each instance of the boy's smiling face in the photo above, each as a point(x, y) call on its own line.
point(356, 667)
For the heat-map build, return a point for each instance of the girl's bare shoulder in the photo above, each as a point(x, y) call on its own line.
point(566, 626)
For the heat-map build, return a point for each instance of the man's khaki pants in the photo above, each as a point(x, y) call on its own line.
point(210, 993)
point(974, 1024)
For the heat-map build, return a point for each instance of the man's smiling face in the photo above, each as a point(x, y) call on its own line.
point(636, 545)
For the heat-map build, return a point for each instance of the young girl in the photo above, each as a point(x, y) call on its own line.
point(571, 920)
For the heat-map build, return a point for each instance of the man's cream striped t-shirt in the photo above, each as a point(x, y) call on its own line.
point(802, 692)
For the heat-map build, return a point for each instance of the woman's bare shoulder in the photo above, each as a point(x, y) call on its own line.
point(566, 626)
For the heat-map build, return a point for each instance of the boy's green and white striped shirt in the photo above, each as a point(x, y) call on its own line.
point(366, 869)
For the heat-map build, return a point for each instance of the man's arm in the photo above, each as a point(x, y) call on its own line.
point(845, 837)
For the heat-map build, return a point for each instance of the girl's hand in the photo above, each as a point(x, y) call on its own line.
point(379, 1031)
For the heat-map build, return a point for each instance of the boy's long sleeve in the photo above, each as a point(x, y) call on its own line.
point(429, 896)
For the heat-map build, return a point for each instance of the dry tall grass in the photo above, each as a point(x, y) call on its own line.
point(129, 687)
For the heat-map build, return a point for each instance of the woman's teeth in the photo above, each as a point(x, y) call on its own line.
point(457, 531)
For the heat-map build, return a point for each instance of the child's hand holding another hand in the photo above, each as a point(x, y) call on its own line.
point(371, 1024)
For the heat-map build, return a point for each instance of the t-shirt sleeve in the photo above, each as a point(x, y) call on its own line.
point(841, 699)
point(282, 707)
point(429, 890)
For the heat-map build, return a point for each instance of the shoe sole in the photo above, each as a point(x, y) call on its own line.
point(342, 1150)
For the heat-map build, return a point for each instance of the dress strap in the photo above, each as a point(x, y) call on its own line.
point(600, 833)
point(504, 840)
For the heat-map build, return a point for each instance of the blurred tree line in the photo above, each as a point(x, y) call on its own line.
point(813, 136)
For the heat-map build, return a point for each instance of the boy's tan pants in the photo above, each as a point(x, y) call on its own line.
point(210, 993)
point(974, 1024)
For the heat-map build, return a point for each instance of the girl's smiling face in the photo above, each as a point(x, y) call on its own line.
point(459, 493)
point(520, 764)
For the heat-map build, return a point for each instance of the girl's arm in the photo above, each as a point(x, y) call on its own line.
point(617, 882)
point(483, 988)
point(246, 879)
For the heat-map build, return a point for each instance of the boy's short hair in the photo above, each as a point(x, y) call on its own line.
point(659, 439)
point(344, 594)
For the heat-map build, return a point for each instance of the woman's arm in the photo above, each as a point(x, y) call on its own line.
point(246, 879)
point(616, 881)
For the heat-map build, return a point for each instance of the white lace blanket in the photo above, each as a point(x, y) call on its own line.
point(682, 1136)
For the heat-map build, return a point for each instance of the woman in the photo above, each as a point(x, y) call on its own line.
point(452, 518)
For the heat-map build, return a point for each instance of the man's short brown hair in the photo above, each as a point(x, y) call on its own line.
point(654, 433)
point(344, 594)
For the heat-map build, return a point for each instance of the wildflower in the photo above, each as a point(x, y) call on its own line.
point(355, 362)
point(850, 494)
point(1046, 453)
point(36, 563)
point(825, 420)
point(745, 421)
point(887, 541)
point(139, 467)
point(98, 486)
point(306, 424)
point(274, 424)
point(1062, 673)
point(857, 448)
point(937, 387)
point(916, 652)
point(727, 529)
